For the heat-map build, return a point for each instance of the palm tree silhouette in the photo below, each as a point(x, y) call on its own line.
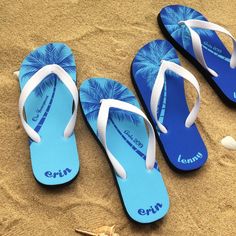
point(92, 96)
point(171, 17)
point(147, 64)
point(148, 60)
point(50, 54)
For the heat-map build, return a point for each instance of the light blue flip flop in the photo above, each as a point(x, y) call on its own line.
point(114, 116)
point(48, 87)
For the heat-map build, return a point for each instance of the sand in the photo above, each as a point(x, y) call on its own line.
point(104, 36)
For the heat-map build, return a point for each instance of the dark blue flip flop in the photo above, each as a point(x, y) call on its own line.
point(182, 146)
point(195, 37)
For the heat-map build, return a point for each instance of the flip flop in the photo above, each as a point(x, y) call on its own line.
point(156, 74)
point(48, 87)
point(195, 37)
point(111, 110)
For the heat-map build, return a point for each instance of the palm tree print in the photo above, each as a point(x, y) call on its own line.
point(147, 64)
point(148, 60)
point(50, 54)
point(92, 96)
point(171, 16)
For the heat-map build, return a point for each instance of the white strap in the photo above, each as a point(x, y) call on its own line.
point(158, 87)
point(33, 82)
point(197, 45)
point(102, 120)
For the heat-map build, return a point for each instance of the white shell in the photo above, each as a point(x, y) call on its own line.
point(229, 142)
point(16, 73)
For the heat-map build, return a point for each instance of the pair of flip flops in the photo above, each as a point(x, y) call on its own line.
point(49, 98)
point(47, 80)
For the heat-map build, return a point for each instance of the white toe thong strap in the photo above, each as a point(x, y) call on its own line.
point(102, 120)
point(197, 45)
point(158, 87)
point(33, 82)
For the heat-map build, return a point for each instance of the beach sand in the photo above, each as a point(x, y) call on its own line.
point(104, 36)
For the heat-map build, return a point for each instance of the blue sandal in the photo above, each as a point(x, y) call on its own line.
point(114, 116)
point(195, 37)
point(156, 74)
point(48, 87)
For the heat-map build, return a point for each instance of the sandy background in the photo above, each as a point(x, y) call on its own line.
point(104, 36)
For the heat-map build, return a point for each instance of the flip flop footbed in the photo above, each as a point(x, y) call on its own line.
point(143, 193)
point(183, 147)
point(48, 110)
